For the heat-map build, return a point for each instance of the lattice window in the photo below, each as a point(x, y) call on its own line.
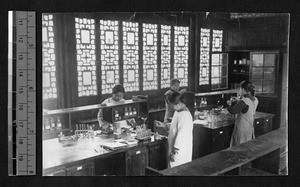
point(149, 56)
point(219, 72)
point(181, 54)
point(86, 58)
point(204, 57)
point(165, 56)
point(49, 62)
point(217, 40)
point(109, 40)
point(131, 56)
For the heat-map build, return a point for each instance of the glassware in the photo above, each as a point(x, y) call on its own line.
point(144, 122)
point(58, 124)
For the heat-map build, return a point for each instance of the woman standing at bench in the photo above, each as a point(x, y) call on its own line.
point(180, 138)
point(245, 107)
point(117, 96)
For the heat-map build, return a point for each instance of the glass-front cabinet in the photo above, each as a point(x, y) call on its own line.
point(263, 71)
point(219, 71)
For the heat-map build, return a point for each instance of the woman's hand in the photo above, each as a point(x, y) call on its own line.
point(160, 124)
point(172, 153)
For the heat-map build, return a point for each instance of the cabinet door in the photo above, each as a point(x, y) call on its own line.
point(113, 164)
point(219, 140)
point(158, 156)
point(81, 170)
point(258, 127)
point(136, 161)
point(267, 125)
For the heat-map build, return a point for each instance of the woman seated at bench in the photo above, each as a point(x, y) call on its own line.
point(117, 97)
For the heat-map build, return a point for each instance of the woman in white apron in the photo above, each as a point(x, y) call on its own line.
point(180, 138)
point(245, 108)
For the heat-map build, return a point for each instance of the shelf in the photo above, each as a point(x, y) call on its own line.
point(240, 74)
point(89, 107)
point(216, 93)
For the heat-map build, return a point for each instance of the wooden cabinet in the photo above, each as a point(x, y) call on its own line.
point(207, 140)
point(76, 169)
point(113, 164)
point(221, 138)
point(158, 156)
point(136, 161)
point(85, 169)
point(263, 126)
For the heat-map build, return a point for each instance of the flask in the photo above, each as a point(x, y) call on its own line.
point(130, 111)
point(116, 115)
point(58, 124)
point(52, 127)
point(134, 111)
point(126, 112)
point(47, 125)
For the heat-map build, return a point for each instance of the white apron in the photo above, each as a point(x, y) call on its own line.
point(243, 129)
point(181, 137)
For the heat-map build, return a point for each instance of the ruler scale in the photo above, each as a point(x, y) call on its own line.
point(24, 97)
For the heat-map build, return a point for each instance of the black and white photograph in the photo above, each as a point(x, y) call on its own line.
point(174, 93)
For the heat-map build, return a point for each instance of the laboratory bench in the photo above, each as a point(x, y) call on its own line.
point(87, 157)
point(210, 139)
point(260, 151)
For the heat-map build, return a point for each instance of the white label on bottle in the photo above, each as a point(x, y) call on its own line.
point(79, 168)
point(138, 152)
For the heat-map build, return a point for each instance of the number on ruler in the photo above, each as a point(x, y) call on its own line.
point(21, 158)
point(20, 56)
point(21, 123)
point(21, 73)
point(30, 172)
point(21, 90)
point(20, 22)
point(21, 40)
point(20, 141)
point(30, 45)
point(20, 107)
point(30, 88)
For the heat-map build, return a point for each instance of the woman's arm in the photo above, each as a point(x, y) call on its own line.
point(237, 107)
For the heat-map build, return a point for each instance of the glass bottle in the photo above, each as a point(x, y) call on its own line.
point(116, 115)
point(53, 125)
point(58, 124)
point(126, 112)
point(130, 111)
point(134, 111)
point(47, 125)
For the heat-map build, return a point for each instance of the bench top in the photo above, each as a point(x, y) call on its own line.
point(233, 157)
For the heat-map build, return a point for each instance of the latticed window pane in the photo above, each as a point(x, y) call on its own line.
point(49, 62)
point(109, 41)
point(217, 40)
point(204, 57)
point(219, 74)
point(149, 56)
point(131, 56)
point(86, 58)
point(181, 43)
point(165, 55)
